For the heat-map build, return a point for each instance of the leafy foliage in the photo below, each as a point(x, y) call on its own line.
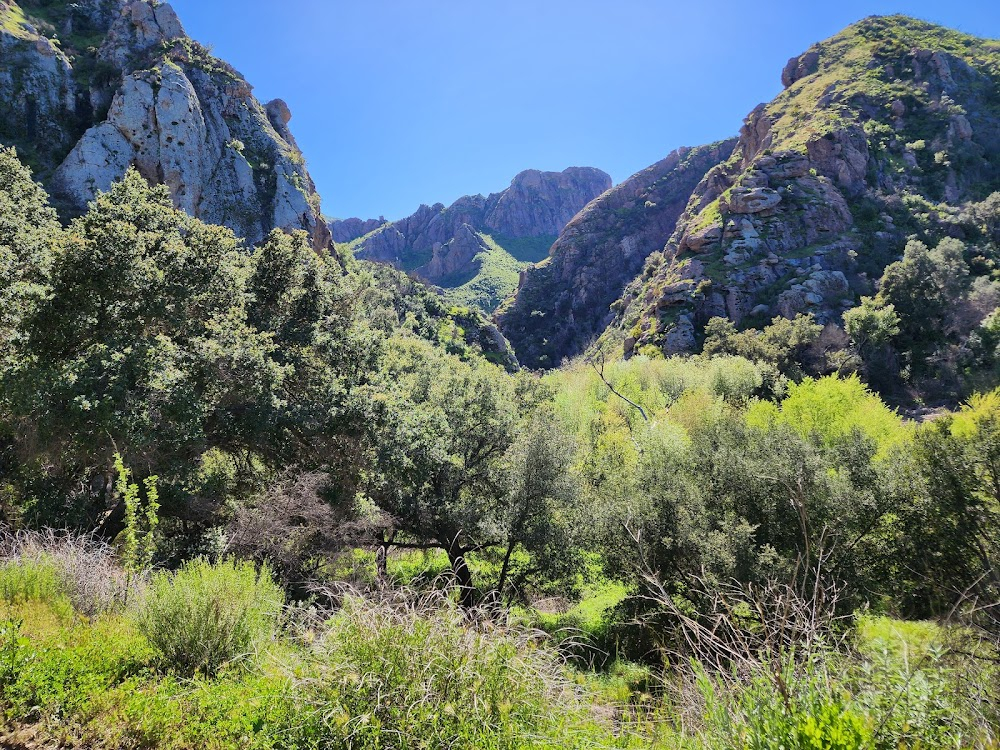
point(203, 616)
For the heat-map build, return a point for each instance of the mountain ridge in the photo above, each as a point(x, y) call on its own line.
point(881, 135)
point(455, 246)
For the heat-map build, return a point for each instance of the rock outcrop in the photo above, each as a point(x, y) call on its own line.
point(151, 98)
point(542, 203)
point(348, 230)
point(446, 246)
point(564, 302)
point(38, 93)
point(824, 184)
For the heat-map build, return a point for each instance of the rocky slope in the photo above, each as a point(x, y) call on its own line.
point(479, 244)
point(563, 302)
point(90, 88)
point(880, 127)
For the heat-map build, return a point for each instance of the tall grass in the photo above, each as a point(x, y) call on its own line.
point(410, 672)
point(49, 566)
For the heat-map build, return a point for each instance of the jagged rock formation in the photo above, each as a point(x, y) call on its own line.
point(879, 127)
point(151, 98)
point(346, 231)
point(564, 302)
point(479, 243)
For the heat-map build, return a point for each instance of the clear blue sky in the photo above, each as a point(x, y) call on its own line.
point(402, 102)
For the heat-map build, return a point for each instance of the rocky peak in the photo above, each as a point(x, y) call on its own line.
point(564, 302)
point(345, 231)
point(812, 205)
point(148, 97)
point(141, 27)
point(447, 245)
point(542, 203)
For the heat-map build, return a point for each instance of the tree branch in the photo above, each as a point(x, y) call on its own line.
point(630, 402)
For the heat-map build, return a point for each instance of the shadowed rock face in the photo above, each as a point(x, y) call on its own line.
point(178, 115)
point(876, 124)
point(564, 302)
point(437, 243)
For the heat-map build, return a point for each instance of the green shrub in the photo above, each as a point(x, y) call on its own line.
point(58, 674)
point(205, 615)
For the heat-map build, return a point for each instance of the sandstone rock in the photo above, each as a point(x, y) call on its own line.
point(440, 244)
point(542, 203)
point(198, 130)
point(140, 29)
point(598, 253)
point(960, 129)
point(680, 337)
point(179, 116)
point(843, 157)
point(785, 165)
point(455, 257)
point(703, 238)
point(37, 92)
point(822, 287)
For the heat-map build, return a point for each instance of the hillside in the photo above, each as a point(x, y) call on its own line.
point(89, 88)
point(563, 301)
point(886, 132)
point(476, 248)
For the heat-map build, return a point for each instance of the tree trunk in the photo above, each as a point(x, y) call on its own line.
point(463, 577)
point(505, 570)
point(382, 557)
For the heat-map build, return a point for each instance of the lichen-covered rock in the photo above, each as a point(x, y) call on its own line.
point(810, 208)
point(178, 115)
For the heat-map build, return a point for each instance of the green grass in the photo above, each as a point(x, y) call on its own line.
point(392, 675)
point(400, 671)
point(526, 249)
point(496, 279)
point(12, 20)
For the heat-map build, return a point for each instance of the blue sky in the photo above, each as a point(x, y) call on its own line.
point(402, 102)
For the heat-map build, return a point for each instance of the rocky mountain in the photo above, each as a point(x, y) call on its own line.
point(476, 247)
point(883, 132)
point(564, 301)
point(91, 88)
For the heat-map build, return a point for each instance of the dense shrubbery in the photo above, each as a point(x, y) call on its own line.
point(279, 411)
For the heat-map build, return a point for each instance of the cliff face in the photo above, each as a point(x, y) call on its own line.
point(479, 243)
point(124, 86)
point(884, 123)
point(564, 302)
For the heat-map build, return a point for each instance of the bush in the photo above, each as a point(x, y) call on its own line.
point(205, 615)
point(30, 580)
point(61, 569)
